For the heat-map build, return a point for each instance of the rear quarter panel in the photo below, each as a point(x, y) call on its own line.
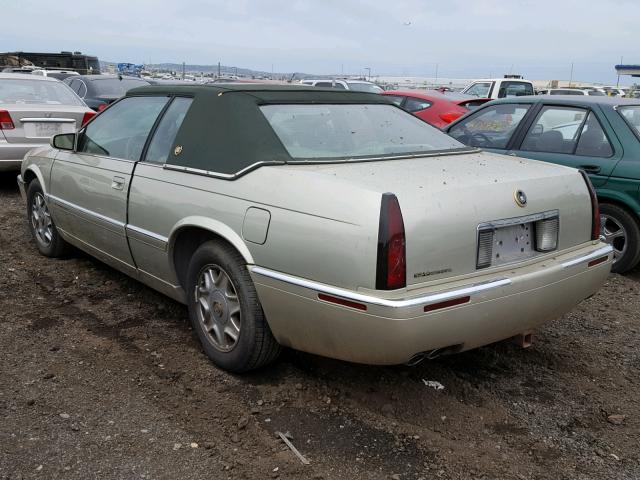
point(319, 228)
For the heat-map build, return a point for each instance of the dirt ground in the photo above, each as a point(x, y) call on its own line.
point(101, 377)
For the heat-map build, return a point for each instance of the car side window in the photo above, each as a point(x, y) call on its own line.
point(415, 104)
point(74, 85)
point(324, 84)
point(165, 134)
point(121, 131)
point(555, 130)
point(396, 99)
point(593, 141)
point(490, 127)
point(82, 89)
point(480, 89)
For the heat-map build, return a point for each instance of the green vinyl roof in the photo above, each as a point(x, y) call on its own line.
point(226, 134)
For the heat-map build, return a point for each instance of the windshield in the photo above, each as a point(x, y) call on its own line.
point(347, 131)
point(632, 116)
point(114, 86)
point(37, 92)
point(364, 87)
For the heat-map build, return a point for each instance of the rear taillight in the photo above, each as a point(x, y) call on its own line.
point(595, 209)
point(450, 116)
point(392, 258)
point(6, 123)
point(87, 116)
point(102, 106)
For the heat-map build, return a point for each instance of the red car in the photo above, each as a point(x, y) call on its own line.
point(433, 107)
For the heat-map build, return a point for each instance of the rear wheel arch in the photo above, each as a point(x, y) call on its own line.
point(187, 239)
point(618, 202)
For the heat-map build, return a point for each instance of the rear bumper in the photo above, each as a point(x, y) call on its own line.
point(11, 154)
point(392, 330)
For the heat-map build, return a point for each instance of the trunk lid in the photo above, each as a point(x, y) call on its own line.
point(34, 123)
point(446, 200)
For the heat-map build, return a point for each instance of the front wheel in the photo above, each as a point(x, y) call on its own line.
point(43, 229)
point(621, 231)
point(225, 311)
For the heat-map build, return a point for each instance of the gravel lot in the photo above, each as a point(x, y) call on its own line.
point(101, 377)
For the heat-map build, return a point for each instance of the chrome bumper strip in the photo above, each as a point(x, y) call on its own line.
point(85, 211)
point(591, 256)
point(402, 303)
point(147, 233)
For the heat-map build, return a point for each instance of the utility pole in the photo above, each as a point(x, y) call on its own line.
point(571, 75)
point(183, 70)
point(218, 69)
point(618, 82)
point(369, 70)
point(436, 82)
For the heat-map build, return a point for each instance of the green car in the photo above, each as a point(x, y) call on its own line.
point(600, 135)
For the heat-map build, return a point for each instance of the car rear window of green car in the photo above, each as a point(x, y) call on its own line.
point(317, 132)
point(631, 114)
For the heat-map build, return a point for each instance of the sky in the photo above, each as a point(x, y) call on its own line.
point(461, 38)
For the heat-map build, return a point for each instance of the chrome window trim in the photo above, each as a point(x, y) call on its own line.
point(590, 256)
point(383, 302)
point(233, 176)
point(209, 173)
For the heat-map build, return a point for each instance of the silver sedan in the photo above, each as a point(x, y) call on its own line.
point(32, 109)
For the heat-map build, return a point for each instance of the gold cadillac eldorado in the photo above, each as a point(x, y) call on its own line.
point(330, 222)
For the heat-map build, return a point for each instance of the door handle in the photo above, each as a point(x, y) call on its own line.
point(117, 183)
point(590, 168)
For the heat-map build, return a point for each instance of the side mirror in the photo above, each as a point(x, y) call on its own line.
point(64, 141)
point(537, 130)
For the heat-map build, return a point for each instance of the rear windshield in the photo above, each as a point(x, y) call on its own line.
point(356, 130)
point(114, 86)
point(19, 91)
point(632, 116)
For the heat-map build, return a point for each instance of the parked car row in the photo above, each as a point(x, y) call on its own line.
point(32, 109)
point(329, 221)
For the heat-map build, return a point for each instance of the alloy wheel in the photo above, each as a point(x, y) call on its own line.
point(615, 235)
point(41, 220)
point(218, 307)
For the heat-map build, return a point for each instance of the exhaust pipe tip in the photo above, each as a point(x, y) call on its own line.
point(433, 354)
point(523, 340)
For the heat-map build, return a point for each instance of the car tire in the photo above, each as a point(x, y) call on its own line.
point(223, 304)
point(622, 232)
point(41, 225)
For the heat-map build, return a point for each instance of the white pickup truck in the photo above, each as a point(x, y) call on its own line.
point(499, 88)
